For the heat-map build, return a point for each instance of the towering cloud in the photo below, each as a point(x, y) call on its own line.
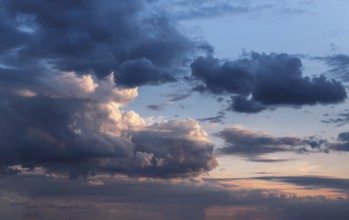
point(75, 125)
point(257, 81)
point(60, 107)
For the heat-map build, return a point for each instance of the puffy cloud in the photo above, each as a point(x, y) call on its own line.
point(241, 104)
point(141, 71)
point(60, 106)
point(258, 81)
point(178, 148)
point(75, 125)
point(139, 44)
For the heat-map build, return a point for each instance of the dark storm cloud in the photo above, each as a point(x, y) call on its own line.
point(141, 72)
point(36, 132)
point(59, 105)
point(106, 36)
point(258, 81)
point(253, 145)
point(218, 79)
point(242, 104)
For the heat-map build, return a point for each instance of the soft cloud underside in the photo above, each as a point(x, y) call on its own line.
point(259, 81)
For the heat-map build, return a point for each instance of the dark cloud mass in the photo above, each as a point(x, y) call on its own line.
point(241, 104)
point(60, 63)
point(257, 81)
point(74, 125)
point(100, 37)
point(84, 136)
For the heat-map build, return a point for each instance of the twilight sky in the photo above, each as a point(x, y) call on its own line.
point(156, 109)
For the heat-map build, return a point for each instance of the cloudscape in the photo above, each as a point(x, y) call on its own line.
point(155, 109)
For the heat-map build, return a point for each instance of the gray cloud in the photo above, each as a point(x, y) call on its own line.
point(316, 182)
point(258, 81)
point(74, 125)
point(98, 37)
point(343, 142)
point(203, 9)
point(45, 197)
point(253, 145)
point(215, 119)
point(156, 107)
point(175, 97)
point(60, 107)
point(264, 160)
point(172, 151)
point(241, 104)
point(171, 98)
point(338, 120)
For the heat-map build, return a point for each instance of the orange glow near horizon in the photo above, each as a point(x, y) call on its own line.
point(280, 189)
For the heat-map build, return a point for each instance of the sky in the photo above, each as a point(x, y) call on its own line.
point(155, 109)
